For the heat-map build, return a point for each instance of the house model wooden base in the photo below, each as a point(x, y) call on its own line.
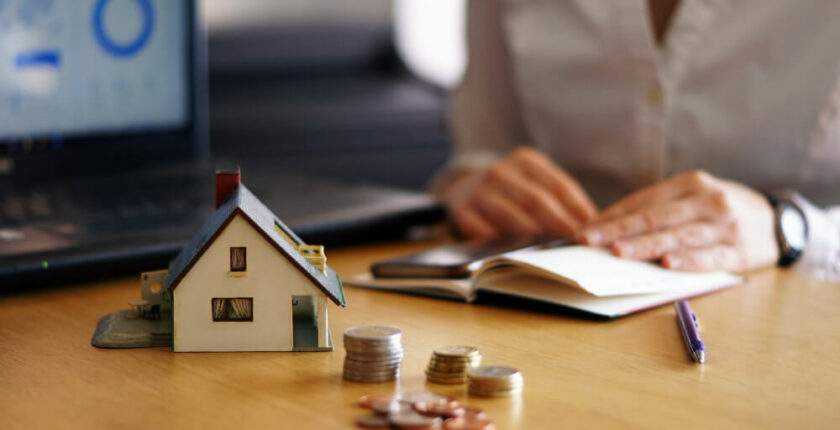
point(246, 282)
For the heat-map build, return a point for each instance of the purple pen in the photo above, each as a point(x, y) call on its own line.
point(691, 335)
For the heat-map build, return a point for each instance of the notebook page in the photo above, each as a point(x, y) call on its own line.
point(601, 274)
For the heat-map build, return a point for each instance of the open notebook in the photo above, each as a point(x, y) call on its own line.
point(588, 279)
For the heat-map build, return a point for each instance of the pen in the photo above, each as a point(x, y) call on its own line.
point(691, 335)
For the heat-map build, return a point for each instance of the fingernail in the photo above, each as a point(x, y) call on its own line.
point(592, 237)
point(623, 249)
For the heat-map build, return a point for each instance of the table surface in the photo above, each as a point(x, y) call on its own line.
point(773, 347)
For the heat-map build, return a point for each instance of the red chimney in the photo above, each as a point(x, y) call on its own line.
point(226, 183)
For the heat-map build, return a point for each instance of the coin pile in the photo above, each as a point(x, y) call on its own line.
point(423, 410)
point(494, 381)
point(449, 364)
point(374, 353)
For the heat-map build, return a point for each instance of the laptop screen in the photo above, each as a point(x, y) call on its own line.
point(91, 67)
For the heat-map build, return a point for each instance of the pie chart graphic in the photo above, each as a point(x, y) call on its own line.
point(123, 49)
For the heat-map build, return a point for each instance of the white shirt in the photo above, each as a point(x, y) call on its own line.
point(747, 90)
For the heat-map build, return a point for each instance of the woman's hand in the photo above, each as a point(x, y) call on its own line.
point(692, 221)
point(522, 194)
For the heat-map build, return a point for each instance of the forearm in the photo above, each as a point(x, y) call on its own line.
point(486, 120)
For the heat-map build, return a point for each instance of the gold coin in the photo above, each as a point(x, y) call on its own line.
point(456, 351)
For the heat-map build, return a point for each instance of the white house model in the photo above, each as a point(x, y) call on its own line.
point(246, 282)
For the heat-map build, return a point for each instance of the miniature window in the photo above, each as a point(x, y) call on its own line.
point(237, 259)
point(233, 309)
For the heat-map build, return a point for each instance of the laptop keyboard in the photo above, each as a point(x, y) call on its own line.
point(85, 212)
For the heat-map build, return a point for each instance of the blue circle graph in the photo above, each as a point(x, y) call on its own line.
point(125, 49)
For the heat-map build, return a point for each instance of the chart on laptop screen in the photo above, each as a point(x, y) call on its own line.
point(92, 66)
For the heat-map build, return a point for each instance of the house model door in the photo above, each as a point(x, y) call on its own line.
point(304, 322)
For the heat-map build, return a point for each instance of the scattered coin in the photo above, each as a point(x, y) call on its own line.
point(392, 407)
point(449, 364)
point(494, 381)
point(468, 423)
point(368, 401)
point(444, 409)
point(413, 420)
point(421, 411)
point(431, 404)
point(373, 353)
point(472, 412)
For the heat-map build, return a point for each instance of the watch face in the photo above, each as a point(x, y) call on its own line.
point(793, 227)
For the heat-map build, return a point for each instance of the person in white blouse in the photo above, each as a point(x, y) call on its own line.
point(675, 116)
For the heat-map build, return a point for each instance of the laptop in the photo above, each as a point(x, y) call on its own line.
point(104, 164)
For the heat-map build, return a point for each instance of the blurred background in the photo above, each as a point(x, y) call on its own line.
point(336, 112)
point(349, 90)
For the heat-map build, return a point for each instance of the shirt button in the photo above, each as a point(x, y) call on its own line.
point(654, 94)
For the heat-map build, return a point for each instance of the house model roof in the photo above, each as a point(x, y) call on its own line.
point(243, 202)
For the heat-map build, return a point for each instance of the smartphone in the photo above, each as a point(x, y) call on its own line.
point(457, 260)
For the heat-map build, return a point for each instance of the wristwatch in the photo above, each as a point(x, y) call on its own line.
point(791, 229)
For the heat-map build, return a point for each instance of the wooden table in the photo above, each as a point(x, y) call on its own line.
point(773, 362)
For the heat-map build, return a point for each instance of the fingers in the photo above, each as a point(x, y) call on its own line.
point(472, 225)
point(673, 188)
point(703, 207)
point(533, 199)
point(563, 187)
point(716, 257)
point(689, 236)
point(505, 214)
point(522, 194)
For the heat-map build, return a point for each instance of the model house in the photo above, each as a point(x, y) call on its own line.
point(246, 282)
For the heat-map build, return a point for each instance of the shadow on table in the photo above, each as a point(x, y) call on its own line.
point(489, 298)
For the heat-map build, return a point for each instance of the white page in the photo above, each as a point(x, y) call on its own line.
point(603, 274)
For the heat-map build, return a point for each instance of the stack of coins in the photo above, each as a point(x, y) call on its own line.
point(374, 353)
point(494, 381)
point(449, 364)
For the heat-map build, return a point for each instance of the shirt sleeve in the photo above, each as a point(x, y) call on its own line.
point(486, 119)
point(821, 256)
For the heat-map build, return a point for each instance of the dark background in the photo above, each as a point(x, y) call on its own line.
point(320, 89)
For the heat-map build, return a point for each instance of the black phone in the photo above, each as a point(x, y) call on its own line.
point(454, 261)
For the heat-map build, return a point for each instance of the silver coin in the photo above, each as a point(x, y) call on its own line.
point(350, 343)
point(372, 332)
point(373, 357)
point(374, 353)
point(502, 393)
point(495, 387)
point(372, 371)
point(373, 347)
point(359, 369)
point(378, 363)
point(493, 372)
point(370, 375)
point(353, 378)
point(366, 359)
